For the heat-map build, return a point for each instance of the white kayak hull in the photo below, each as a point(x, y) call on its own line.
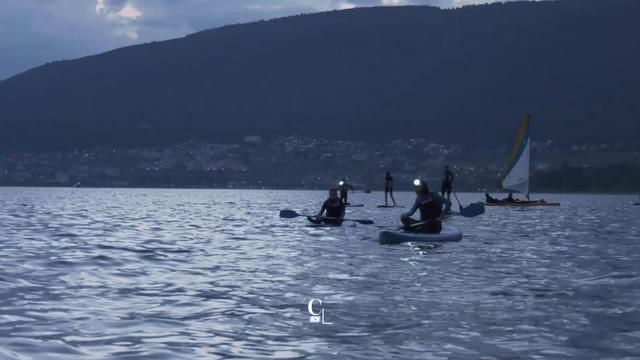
point(398, 236)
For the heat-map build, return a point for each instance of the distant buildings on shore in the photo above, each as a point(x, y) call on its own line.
point(287, 162)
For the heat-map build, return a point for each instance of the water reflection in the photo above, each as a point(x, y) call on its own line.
point(204, 274)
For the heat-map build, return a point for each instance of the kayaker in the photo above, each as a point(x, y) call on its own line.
point(430, 205)
point(388, 189)
point(447, 182)
point(332, 208)
point(344, 191)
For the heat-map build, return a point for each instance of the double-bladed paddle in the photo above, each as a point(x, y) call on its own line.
point(290, 214)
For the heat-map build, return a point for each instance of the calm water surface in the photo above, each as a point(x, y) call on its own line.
point(186, 274)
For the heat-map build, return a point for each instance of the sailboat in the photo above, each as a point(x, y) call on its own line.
point(518, 171)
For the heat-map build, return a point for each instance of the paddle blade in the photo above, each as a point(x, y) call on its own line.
point(288, 214)
point(473, 210)
point(364, 222)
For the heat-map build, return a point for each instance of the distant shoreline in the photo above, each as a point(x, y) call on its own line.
point(297, 189)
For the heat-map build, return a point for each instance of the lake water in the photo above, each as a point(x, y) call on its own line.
point(186, 274)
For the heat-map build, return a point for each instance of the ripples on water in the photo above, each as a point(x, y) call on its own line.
point(169, 274)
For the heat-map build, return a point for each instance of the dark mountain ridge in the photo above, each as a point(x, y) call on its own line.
point(452, 76)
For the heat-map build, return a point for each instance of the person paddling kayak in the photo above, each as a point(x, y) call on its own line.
point(344, 191)
point(430, 205)
point(334, 209)
point(388, 189)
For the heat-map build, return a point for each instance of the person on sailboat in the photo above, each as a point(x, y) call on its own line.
point(509, 198)
point(388, 189)
point(430, 205)
point(489, 199)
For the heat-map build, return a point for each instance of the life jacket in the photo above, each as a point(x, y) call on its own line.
point(334, 208)
point(388, 182)
point(430, 207)
point(447, 177)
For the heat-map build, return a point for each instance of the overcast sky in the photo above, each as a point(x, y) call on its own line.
point(34, 32)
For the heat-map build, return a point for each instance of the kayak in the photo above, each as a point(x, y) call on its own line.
point(399, 236)
point(390, 206)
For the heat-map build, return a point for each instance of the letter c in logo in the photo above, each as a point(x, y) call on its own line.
point(310, 307)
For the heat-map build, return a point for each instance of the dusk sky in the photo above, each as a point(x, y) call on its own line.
point(34, 32)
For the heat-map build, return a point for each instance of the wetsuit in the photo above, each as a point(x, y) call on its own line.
point(447, 183)
point(388, 189)
point(334, 208)
point(344, 193)
point(430, 207)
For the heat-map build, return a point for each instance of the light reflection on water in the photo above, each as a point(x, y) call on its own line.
point(166, 274)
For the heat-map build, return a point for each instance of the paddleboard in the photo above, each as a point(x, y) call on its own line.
point(320, 223)
point(390, 206)
point(399, 236)
point(355, 205)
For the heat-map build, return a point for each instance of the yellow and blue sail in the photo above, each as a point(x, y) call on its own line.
point(517, 176)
